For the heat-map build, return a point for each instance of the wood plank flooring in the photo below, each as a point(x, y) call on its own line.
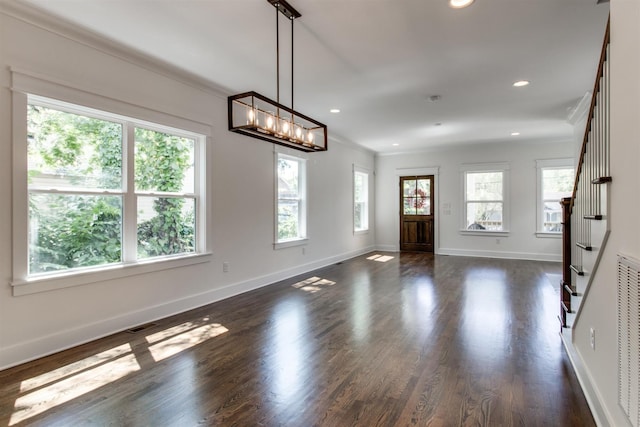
point(398, 340)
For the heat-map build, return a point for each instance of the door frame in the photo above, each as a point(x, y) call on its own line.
point(434, 170)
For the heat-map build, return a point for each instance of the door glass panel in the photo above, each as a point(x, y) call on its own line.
point(424, 197)
point(425, 185)
point(423, 206)
point(409, 208)
point(409, 187)
point(417, 197)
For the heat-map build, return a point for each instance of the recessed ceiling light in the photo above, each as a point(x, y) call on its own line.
point(459, 4)
point(395, 144)
point(334, 110)
point(515, 133)
point(521, 83)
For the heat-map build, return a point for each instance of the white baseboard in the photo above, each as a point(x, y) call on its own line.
point(387, 248)
point(42, 346)
point(500, 254)
point(588, 388)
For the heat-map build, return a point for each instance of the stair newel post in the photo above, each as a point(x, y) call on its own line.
point(565, 284)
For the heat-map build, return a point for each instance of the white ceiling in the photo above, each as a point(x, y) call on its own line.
point(379, 60)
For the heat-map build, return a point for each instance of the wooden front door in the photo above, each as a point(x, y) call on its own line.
point(416, 213)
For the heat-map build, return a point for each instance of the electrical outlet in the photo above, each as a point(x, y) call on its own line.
point(304, 250)
point(225, 267)
point(592, 338)
point(497, 241)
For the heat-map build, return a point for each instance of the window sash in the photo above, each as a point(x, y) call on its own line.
point(360, 200)
point(295, 198)
point(544, 227)
point(469, 198)
point(129, 197)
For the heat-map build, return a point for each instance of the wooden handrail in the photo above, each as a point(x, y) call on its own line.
point(596, 89)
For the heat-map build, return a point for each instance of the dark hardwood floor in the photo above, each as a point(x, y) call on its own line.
point(403, 339)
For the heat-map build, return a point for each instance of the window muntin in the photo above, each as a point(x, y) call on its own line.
point(484, 200)
point(78, 195)
point(555, 182)
point(291, 203)
point(360, 200)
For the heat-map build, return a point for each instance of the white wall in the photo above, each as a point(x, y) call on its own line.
point(521, 242)
point(241, 187)
point(599, 308)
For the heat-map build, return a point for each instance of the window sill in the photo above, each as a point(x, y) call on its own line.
point(85, 277)
point(290, 243)
point(491, 233)
point(549, 235)
point(359, 232)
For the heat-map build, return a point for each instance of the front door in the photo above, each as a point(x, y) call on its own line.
point(416, 213)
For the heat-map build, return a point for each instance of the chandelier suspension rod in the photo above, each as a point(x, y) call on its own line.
point(277, 56)
point(291, 63)
point(291, 18)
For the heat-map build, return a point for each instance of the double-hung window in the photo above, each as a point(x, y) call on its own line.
point(485, 205)
point(105, 190)
point(360, 199)
point(291, 204)
point(555, 181)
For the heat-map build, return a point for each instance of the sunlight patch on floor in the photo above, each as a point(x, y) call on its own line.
point(73, 368)
point(56, 387)
point(185, 340)
point(380, 258)
point(313, 284)
point(59, 391)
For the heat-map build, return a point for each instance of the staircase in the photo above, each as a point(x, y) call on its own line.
point(585, 219)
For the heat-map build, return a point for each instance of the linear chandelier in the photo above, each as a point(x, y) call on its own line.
point(257, 116)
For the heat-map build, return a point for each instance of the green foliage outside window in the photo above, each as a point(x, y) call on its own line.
point(72, 160)
point(161, 163)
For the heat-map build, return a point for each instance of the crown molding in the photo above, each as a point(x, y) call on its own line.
point(71, 31)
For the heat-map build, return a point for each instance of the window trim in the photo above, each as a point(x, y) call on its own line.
point(302, 159)
point(541, 165)
point(502, 167)
point(362, 171)
point(31, 87)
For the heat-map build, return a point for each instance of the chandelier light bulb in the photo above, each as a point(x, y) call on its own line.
point(298, 132)
point(251, 115)
point(269, 122)
point(310, 137)
point(285, 127)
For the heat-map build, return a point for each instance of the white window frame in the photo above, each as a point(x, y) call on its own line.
point(541, 166)
point(360, 171)
point(302, 238)
point(34, 88)
point(502, 167)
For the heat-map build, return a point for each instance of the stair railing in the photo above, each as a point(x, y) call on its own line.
point(586, 203)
